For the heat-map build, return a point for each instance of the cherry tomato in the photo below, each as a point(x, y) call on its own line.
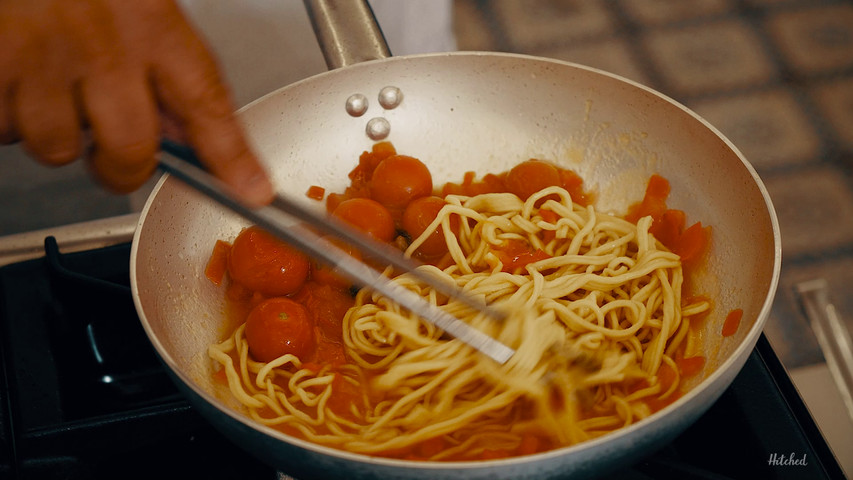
point(529, 177)
point(263, 263)
point(327, 305)
point(368, 216)
point(417, 217)
point(278, 326)
point(398, 180)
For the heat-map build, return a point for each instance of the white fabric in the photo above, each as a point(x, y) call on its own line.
point(265, 44)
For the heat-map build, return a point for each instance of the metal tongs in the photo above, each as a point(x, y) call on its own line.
point(277, 218)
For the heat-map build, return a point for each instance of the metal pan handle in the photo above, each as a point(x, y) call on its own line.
point(832, 335)
point(347, 32)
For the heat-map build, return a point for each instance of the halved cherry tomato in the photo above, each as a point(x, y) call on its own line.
point(278, 326)
point(573, 183)
point(361, 175)
point(654, 200)
point(490, 183)
point(398, 180)
point(516, 254)
point(217, 265)
point(263, 263)
point(417, 217)
point(368, 216)
point(368, 161)
point(732, 322)
point(529, 177)
point(668, 226)
point(692, 242)
point(327, 305)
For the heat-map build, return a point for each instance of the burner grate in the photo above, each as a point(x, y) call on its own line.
point(84, 395)
point(104, 361)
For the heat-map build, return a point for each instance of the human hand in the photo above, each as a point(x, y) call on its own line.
point(109, 77)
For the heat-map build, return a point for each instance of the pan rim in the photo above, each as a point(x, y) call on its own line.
point(715, 383)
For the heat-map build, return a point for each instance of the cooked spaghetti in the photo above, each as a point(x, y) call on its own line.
point(597, 318)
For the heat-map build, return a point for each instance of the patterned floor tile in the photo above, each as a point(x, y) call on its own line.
point(662, 12)
point(707, 58)
point(814, 40)
point(791, 322)
point(835, 100)
point(780, 3)
point(770, 4)
point(815, 208)
point(790, 333)
point(610, 55)
point(769, 127)
point(472, 29)
point(534, 23)
point(775, 76)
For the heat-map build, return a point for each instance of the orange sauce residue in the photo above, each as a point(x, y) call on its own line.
point(668, 225)
point(218, 262)
point(516, 254)
point(732, 322)
point(316, 192)
point(690, 366)
point(327, 297)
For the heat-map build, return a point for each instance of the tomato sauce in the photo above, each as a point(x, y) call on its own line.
point(517, 254)
point(218, 262)
point(315, 192)
point(668, 225)
point(730, 326)
point(327, 296)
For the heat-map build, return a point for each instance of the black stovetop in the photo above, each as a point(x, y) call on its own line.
point(83, 396)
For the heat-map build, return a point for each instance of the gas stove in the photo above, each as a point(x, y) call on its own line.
point(84, 396)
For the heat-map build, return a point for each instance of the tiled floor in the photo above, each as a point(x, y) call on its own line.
point(776, 76)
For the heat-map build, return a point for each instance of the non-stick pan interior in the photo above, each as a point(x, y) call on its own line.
point(473, 112)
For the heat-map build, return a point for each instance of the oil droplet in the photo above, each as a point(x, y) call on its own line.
point(356, 105)
point(390, 97)
point(378, 128)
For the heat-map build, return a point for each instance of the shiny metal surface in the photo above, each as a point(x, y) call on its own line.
point(480, 112)
point(278, 219)
point(833, 335)
point(347, 32)
point(70, 238)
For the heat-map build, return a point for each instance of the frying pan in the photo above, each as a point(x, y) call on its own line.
point(462, 111)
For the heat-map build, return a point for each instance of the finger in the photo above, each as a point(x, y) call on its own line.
point(11, 40)
point(172, 129)
point(36, 100)
point(8, 134)
point(123, 119)
point(189, 86)
point(46, 119)
point(114, 96)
